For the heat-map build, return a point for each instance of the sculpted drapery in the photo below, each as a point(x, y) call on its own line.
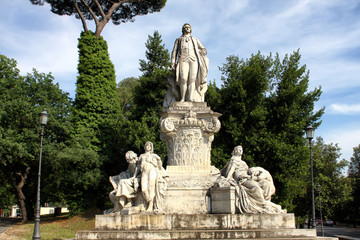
point(253, 187)
point(153, 182)
point(143, 186)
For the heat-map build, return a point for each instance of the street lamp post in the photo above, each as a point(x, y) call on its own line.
point(43, 120)
point(310, 135)
point(321, 219)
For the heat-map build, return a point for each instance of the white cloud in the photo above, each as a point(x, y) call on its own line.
point(332, 74)
point(347, 136)
point(326, 32)
point(39, 39)
point(345, 108)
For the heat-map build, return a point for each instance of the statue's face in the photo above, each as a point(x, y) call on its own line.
point(148, 148)
point(187, 29)
point(238, 151)
point(131, 158)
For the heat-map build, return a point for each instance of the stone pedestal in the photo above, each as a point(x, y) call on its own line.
point(188, 129)
point(197, 226)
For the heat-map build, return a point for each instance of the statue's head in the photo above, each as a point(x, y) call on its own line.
point(186, 28)
point(149, 147)
point(131, 157)
point(238, 151)
point(256, 171)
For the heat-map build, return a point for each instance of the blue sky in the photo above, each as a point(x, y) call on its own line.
point(327, 32)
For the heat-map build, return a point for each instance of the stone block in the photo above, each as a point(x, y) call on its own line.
point(223, 200)
point(188, 193)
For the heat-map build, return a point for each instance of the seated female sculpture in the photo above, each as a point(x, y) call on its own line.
point(249, 185)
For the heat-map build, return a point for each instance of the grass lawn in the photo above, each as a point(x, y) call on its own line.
point(60, 227)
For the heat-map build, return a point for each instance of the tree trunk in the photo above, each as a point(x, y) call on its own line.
point(18, 183)
point(21, 198)
point(100, 27)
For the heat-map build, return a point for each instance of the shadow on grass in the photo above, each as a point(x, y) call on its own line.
point(88, 215)
point(8, 221)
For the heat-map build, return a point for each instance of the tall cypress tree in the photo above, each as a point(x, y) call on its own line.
point(96, 103)
point(96, 112)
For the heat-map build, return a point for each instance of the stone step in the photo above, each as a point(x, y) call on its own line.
point(200, 234)
point(116, 221)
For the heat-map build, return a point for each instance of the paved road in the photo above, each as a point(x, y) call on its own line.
point(336, 230)
point(6, 223)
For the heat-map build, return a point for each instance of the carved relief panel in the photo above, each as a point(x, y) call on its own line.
point(189, 138)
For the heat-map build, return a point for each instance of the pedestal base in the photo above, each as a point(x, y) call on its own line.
point(197, 226)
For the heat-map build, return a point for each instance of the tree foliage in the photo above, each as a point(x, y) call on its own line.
point(22, 99)
point(266, 105)
point(354, 168)
point(149, 94)
point(349, 212)
point(70, 166)
point(75, 175)
point(96, 113)
point(102, 11)
point(142, 121)
point(335, 188)
point(125, 90)
point(96, 102)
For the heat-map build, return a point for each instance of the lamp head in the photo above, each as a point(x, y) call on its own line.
point(43, 117)
point(309, 130)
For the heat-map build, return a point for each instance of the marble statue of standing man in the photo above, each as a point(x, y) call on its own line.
point(191, 65)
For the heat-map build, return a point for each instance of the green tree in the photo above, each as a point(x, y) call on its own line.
point(96, 113)
point(354, 168)
point(142, 123)
point(245, 84)
point(291, 109)
point(74, 175)
point(96, 97)
point(125, 90)
point(335, 188)
point(23, 98)
point(350, 210)
point(102, 11)
point(149, 94)
point(7, 198)
point(266, 105)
